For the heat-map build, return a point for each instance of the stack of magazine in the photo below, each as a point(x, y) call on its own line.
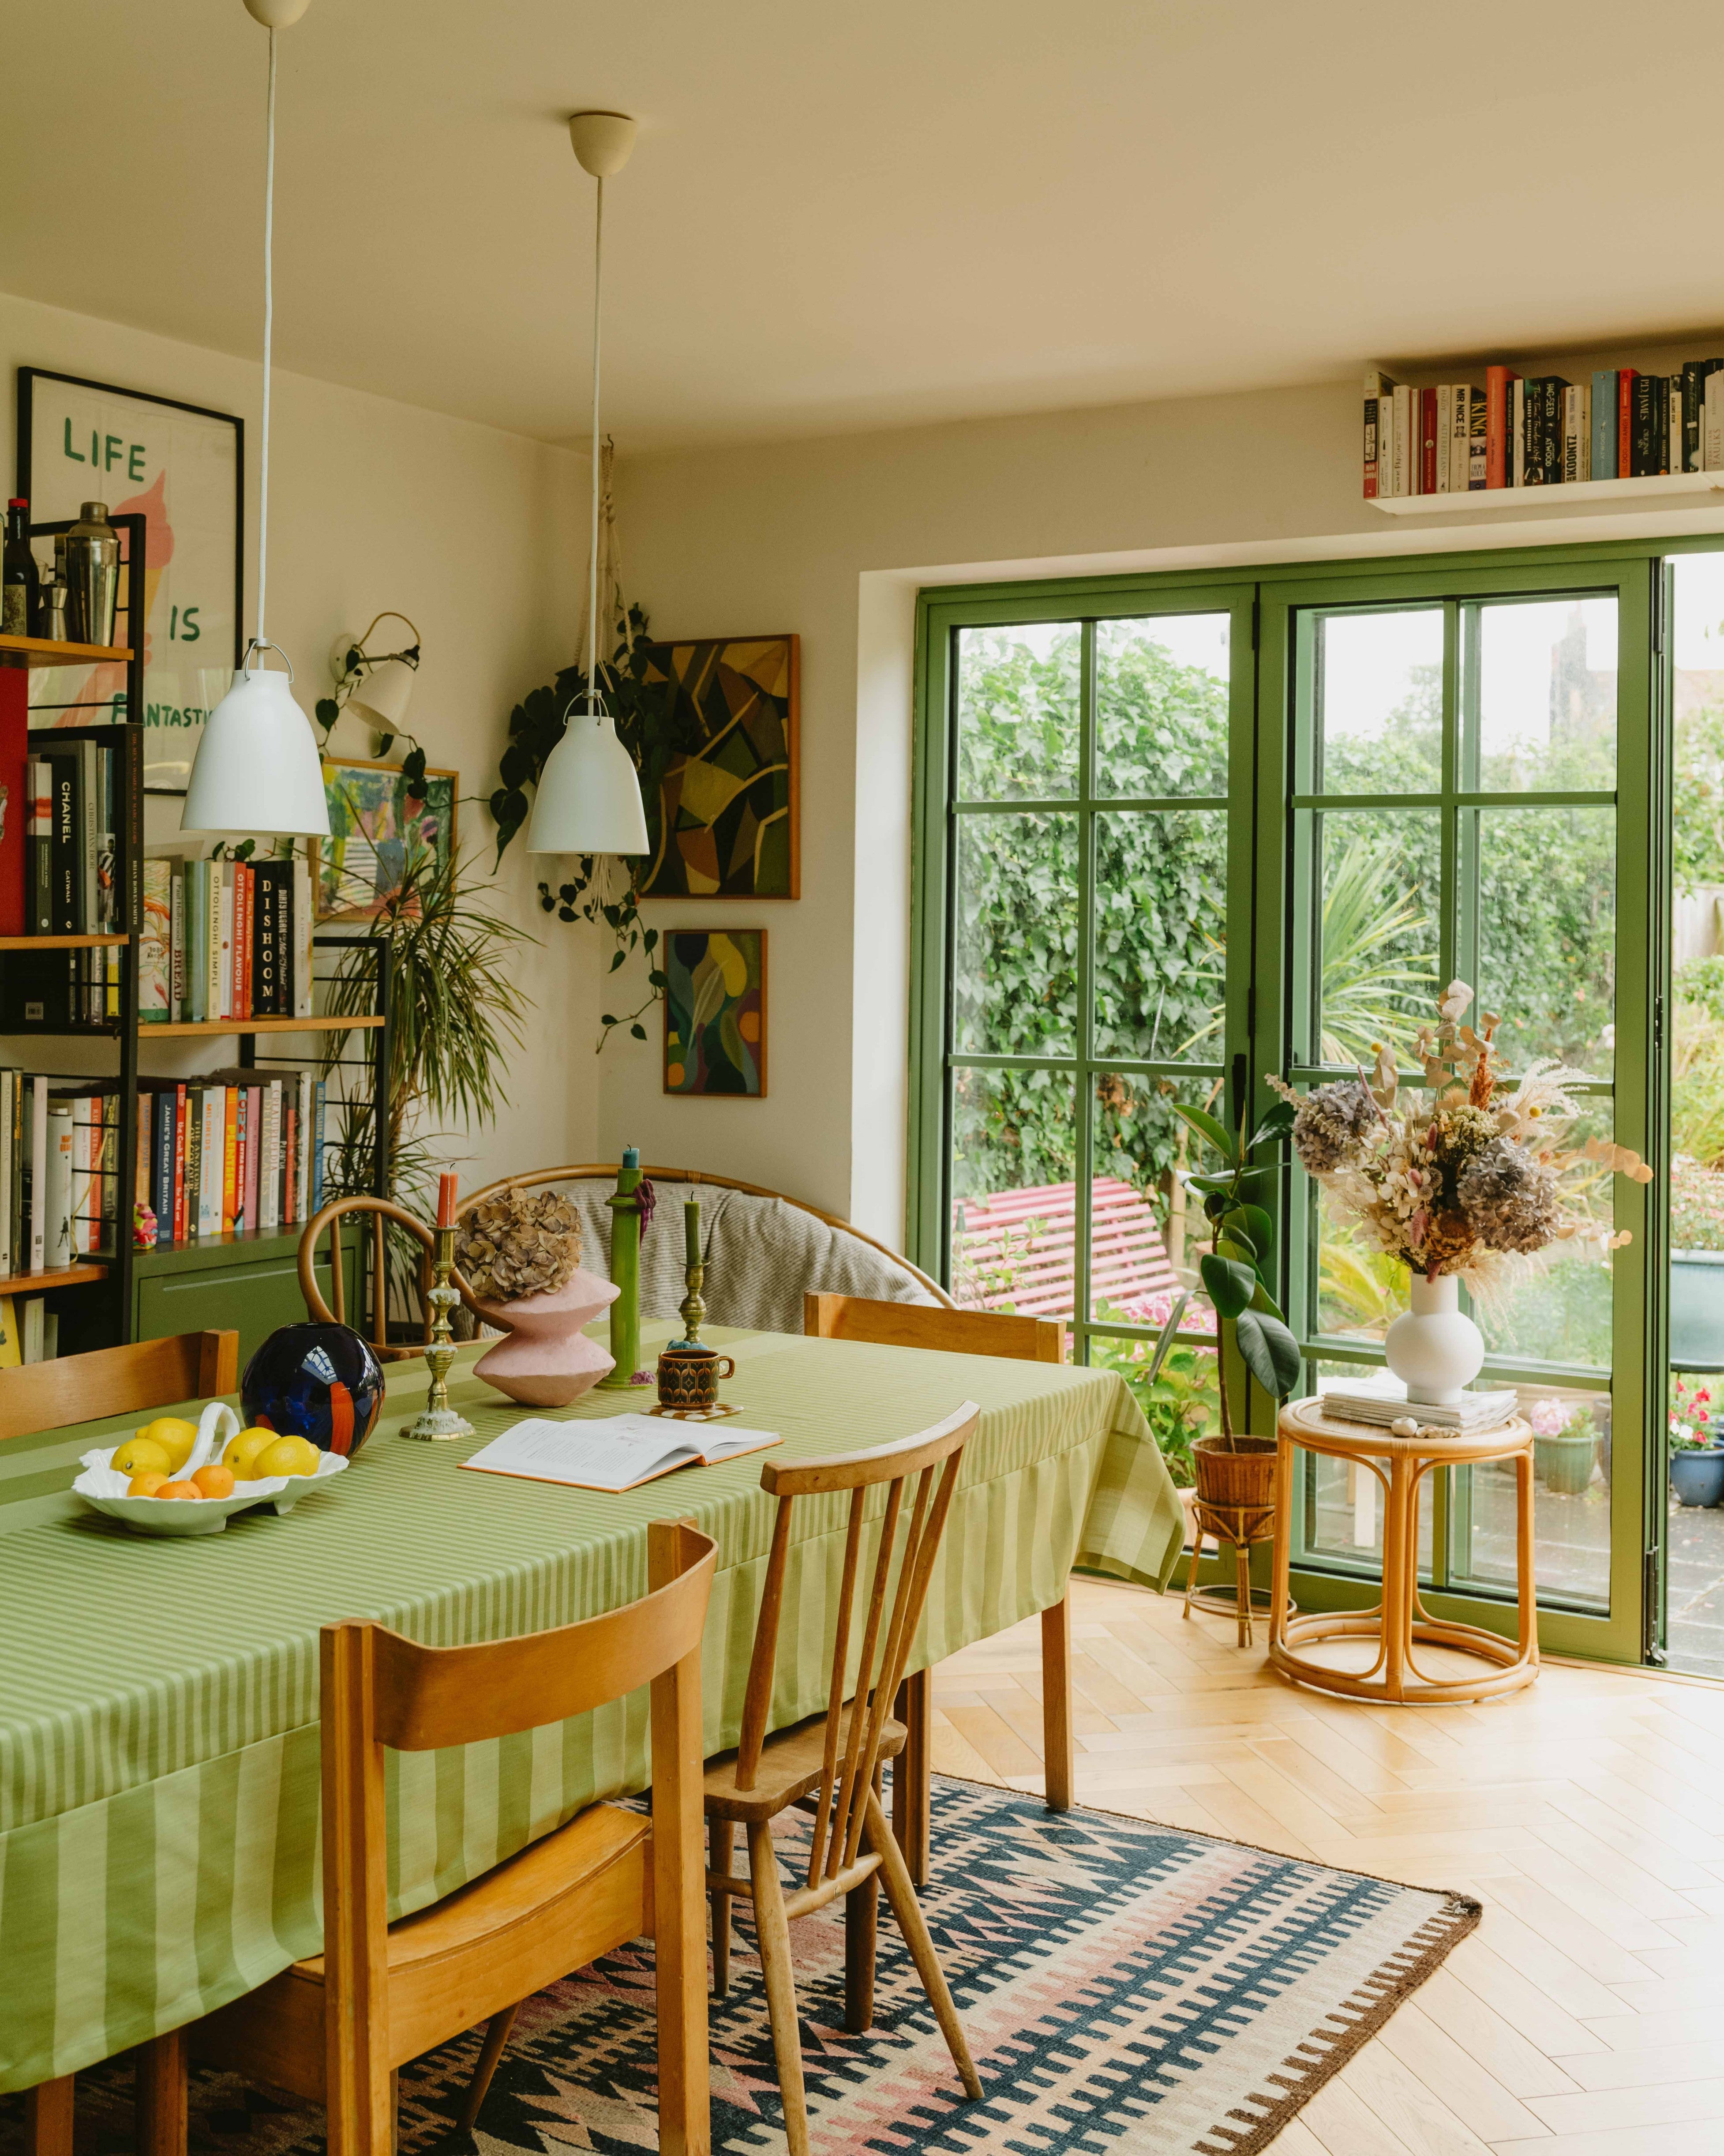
point(1384, 1400)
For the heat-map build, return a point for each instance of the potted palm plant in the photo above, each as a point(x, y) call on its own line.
point(1238, 1468)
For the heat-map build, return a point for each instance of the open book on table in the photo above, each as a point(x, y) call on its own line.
point(619, 1454)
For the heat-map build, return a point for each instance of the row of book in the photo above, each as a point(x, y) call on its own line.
point(224, 940)
point(238, 1149)
point(1541, 431)
point(30, 1331)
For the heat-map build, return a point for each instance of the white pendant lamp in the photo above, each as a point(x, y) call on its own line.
point(257, 767)
point(589, 796)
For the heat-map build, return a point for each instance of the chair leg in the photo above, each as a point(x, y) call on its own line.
point(718, 1833)
point(48, 2118)
point(772, 1927)
point(161, 2096)
point(496, 2035)
point(861, 1932)
point(915, 1927)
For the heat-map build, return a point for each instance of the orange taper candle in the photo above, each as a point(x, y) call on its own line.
point(446, 1183)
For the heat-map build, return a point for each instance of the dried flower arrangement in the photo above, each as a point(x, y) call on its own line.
point(519, 1244)
point(1464, 1170)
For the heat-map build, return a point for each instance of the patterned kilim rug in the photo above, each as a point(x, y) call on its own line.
point(1127, 1990)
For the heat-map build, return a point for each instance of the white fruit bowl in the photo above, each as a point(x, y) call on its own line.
point(103, 1485)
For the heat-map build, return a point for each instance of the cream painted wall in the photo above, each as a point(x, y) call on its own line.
point(833, 539)
point(478, 536)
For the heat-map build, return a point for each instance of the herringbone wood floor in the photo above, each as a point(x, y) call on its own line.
point(1585, 2017)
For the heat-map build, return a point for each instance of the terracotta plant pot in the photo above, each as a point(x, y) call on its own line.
point(1245, 1477)
point(546, 1360)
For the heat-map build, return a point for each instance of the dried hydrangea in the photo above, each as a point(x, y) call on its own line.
point(1330, 1124)
point(519, 1243)
point(1511, 1198)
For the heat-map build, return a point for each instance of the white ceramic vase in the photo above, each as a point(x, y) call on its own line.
point(1434, 1349)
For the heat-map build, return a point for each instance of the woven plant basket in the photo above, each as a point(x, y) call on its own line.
point(1245, 1477)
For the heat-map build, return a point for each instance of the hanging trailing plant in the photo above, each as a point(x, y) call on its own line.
point(604, 889)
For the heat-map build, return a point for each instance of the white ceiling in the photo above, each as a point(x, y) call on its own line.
point(843, 217)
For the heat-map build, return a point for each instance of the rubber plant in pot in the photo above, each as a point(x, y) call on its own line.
point(1238, 1468)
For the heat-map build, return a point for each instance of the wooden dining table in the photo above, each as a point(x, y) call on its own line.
point(158, 1697)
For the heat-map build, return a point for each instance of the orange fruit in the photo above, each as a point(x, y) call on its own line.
point(179, 1489)
point(214, 1481)
point(145, 1483)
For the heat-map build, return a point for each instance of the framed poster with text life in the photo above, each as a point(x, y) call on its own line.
point(182, 469)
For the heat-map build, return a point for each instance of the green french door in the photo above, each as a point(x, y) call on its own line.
point(1084, 935)
point(1173, 835)
point(1460, 764)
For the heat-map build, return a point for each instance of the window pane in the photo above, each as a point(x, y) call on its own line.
point(1014, 987)
point(1555, 1306)
point(1361, 1290)
point(1343, 1501)
point(1571, 1512)
point(1183, 1403)
point(1018, 712)
point(1161, 705)
point(1161, 932)
point(1379, 702)
point(1378, 935)
point(1147, 1229)
point(1547, 885)
point(1014, 1184)
point(1547, 715)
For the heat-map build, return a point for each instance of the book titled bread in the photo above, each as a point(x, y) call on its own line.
point(614, 1456)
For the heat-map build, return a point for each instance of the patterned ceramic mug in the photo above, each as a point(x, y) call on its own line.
point(688, 1377)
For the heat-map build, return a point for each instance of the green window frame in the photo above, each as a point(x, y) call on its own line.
point(1263, 604)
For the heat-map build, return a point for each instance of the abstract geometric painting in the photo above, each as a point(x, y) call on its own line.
point(722, 820)
point(716, 1012)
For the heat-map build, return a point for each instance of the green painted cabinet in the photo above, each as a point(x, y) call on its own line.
point(246, 1283)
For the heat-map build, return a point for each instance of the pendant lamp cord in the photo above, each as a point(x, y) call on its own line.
point(593, 702)
point(264, 644)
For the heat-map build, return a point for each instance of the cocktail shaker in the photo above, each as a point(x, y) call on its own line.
point(92, 576)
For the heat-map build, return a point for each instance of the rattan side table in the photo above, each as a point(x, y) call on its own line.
point(1400, 1621)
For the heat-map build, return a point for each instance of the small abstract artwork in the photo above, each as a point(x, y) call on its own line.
point(716, 1012)
point(374, 824)
point(722, 814)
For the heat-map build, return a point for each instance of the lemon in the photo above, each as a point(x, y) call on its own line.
point(176, 1437)
point(287, 1455)
point(243, 1450)
point(142, 1455)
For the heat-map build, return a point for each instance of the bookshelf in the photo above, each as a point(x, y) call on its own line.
point(249, 1277)
point(1550, 499)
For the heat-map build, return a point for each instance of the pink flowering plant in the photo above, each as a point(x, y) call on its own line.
point(1695, 1417)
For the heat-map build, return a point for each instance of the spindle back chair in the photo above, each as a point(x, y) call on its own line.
point(383, 1214)
point(829, 1765)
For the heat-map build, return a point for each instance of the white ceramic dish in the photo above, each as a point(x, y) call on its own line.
point(103, 1485)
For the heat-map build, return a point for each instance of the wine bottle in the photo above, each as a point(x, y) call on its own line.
point(17, 573)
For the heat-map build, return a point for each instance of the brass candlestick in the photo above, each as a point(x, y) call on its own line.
point(691, 1310)
point(439, 1419)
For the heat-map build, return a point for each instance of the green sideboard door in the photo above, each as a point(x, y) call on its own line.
point(248, 1285)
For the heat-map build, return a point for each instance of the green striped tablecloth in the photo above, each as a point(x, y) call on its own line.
point(158, 1698)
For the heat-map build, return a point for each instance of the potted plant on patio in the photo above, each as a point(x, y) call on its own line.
point(1238, 1469)
point(1696, 1448)
point(1565, 1445)
point(1696, 1266)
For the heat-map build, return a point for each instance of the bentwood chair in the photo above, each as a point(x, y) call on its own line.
point(384, 1215)
point(829, 1764)
point(960, 1332)
point(335, 2027)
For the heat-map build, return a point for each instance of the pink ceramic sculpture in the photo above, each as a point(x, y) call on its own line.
point(546, 1359)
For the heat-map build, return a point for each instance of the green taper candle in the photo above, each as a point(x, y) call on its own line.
point(691, 1231)
point(625, 1272)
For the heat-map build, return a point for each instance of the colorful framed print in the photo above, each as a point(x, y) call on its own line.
point(716, 1012)
point(723, 816)
point(375, 823)
point(182, 467)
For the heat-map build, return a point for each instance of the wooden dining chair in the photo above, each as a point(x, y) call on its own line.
point(117, 1381)
point(829, 1765)
point(335, 2027)
point(383, 1213)
point(960, 1332)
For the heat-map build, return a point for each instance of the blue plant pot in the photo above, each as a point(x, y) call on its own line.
point(1698, 1477)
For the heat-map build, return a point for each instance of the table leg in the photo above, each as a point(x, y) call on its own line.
point(912, 1790)
point(1526, 1558)
point(1059, 1752)
point(1400, 1559)
point(1242, 1589)
point(161, 2096)
point(1281, 1557)
point(48, 2118)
